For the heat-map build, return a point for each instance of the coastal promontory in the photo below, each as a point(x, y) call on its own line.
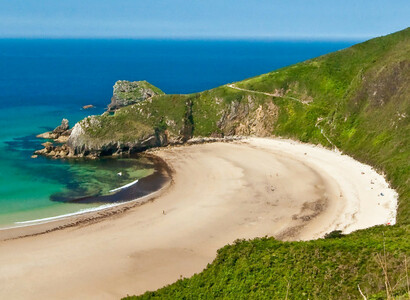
point(126, 93)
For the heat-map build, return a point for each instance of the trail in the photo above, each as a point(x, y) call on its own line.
point(267, 94)
point(286, 97)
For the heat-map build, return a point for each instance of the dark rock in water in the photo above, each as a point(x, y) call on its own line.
point(127, 93)
point(62, 128)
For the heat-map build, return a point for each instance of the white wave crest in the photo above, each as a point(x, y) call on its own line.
point(80, 212)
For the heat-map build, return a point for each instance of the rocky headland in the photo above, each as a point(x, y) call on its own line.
point(74, 142)
point(140, 116)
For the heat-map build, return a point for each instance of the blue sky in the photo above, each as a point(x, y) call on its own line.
point(295, 19)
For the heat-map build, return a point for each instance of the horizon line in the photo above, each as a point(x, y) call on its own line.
point(197, 38)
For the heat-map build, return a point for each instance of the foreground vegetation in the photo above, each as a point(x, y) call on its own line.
point(358, 100)
point(333, 268)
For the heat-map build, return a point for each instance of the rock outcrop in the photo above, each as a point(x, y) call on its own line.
point(60, 136)
point(248, 118)
point(53, 151)
point(126, 93)
point(82, 142)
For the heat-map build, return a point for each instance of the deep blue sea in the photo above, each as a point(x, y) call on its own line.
point(42, 81)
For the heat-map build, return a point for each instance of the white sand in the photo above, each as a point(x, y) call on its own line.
point(220, 192)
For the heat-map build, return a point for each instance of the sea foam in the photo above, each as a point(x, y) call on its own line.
point(124, 186)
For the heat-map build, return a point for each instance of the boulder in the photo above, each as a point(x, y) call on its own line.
point(48, 146)
point(46, 135)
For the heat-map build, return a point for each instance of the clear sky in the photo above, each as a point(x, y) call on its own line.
point(311, 19)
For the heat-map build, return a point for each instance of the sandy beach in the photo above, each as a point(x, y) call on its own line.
point(219, 192)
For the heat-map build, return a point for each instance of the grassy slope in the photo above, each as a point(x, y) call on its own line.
point(361, 101)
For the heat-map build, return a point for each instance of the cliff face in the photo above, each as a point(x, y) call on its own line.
point(85, 140)
point(246, 117)
point(126, 93)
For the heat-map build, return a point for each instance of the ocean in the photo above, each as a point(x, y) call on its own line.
point(43, 81)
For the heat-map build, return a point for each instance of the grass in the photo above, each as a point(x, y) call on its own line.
point(136, 93)
point(265, 268)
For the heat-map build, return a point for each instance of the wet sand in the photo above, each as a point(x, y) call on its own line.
point(219, 192)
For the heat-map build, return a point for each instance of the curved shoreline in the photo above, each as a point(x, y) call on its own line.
point(140, 188)
point(219, 192)
point(145, 190)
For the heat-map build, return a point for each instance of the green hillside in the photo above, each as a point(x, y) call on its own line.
point(357, 99)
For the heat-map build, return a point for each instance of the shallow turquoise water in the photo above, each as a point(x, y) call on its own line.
point(37, 188)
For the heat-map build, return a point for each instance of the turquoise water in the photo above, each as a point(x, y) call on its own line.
point(37, 188)
point(43, 81)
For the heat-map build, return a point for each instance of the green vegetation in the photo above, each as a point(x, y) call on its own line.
point(146, 85)
point(357, 97)
point(137, 93)
point(264, 268)
point(137, 121)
